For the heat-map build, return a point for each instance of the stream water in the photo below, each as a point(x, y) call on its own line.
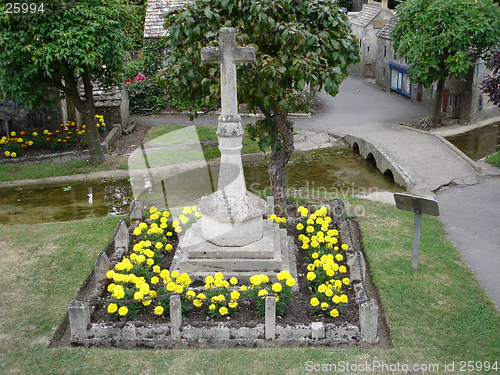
point(332, 170)
point(477, 143)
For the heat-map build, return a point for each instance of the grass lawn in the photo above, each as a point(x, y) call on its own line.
point(436, 315)
point(494, 159)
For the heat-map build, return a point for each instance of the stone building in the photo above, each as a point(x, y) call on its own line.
point(462, 97)
point(365, 25)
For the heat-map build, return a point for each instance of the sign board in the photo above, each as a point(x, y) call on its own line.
point(413, 203)
point(419, 206)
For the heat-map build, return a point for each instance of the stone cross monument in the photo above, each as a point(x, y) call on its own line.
point(231, 216)
point(233, 237)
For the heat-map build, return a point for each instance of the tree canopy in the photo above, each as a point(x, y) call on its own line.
point(445, 37)
point(68, 41)
point(299, 45)
point(491, 85)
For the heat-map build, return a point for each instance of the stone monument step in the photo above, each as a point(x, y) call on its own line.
point(200, 249)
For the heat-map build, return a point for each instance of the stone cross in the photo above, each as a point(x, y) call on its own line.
point(228, 55)
point(231, 216)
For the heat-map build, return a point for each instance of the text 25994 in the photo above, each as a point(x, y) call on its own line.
point(24, 8)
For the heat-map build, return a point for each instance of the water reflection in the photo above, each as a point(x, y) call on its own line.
point(331, 171)
point(477, 143)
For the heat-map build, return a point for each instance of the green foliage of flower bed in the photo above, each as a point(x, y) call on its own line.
point(435, 315)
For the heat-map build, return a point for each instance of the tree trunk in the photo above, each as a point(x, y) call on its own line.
point(280, 157)
point(91, 131)
point(437, 112)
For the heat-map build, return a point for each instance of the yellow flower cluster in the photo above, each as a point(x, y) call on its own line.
point(324, 273)
point(277, 219)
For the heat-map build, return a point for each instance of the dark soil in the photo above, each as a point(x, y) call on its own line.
point(296, 313)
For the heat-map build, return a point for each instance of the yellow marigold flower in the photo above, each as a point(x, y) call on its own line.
point(209, 279)
point(111, 287)
point(314, 244)
point(334, 313)
point(336, 299)
point(183, 219)
point(187, 211)
point(300, 226)
point(235, 294)
point(262, 292)
point(155, 280)
point(178, 288)
point(30, 143)
point(156, 269)
point(346, 281)
point(328, 293)
point(170, 287)
point(272, 217)
point(283, 275)
point(219, 276)
point(314, 302)
point(150, 262)
point(159, 310)
point(12, 134)
point(344, 247)
point(197, 303)
point(110, 274)
point(290, 282)
point(243, 288)
point(311, 276)
point(166, 214)
point(233, 280)
point(112, 308)
point(123, 310)
point(178, 229)
point(322, 288)
point(138, 295)
point(168, 247)
point(137, 231)
point(342, 269)
point(277, 287)
point(225, 284)
point(154, 216)
point(190, 294)
point(305, 246)
point(310, 221)
point(7, 153)
point(330, 273)
point(313, 216)
point(233, 304)
point(142, 225)
point(175, 274)
point(324, 305)
point(319, 220)
point(164, 274)
point(343, 298)
point(223, 310)
point(153, 293)
point(218, 283)
point(309, 229)
point(153, 209)
point(310, 267)
point(339, 257)
point(146, 301)
point(158, 245)
point(212, 306)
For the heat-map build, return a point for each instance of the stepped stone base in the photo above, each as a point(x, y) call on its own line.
point(199, 258)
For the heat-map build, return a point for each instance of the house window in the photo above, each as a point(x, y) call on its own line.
point(383, 72)
point(385, 51)
point(399, 79)
point(368, 49)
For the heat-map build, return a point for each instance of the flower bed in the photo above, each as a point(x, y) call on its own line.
point(136, 295)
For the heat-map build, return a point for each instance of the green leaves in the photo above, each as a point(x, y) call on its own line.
point(445, 37)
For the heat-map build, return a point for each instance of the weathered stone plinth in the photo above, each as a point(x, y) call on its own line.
point(270, 255)
point(232, 221)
